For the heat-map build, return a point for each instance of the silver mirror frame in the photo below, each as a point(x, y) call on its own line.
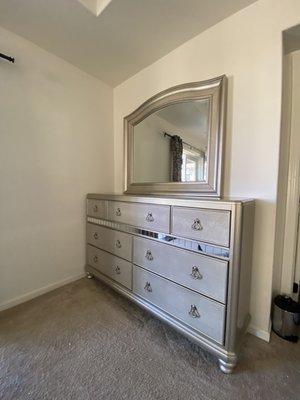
point(216, 90)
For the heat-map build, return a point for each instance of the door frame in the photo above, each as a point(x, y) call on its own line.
point(290, 237)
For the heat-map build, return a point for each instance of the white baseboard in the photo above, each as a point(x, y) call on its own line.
point(260, 333)
point(38, 292)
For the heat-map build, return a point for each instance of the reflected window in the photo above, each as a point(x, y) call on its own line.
point(193, 165)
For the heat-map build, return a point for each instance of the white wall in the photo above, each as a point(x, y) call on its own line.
point(247, 47)
point(56, 144)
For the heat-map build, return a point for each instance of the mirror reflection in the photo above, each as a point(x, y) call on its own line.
point(170, 145)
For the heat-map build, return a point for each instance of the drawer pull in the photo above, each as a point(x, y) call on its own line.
point(96, 236)
point(118, 244)
point(117, 270)
point(148, 287)
point(194, 313)
point(118, 212)
point(95, 259)
point(196, 225)
point(195, 274)
point(150, 217)
point(149, 255)
point(95, 208)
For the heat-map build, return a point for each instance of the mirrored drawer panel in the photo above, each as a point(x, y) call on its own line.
point(96, 208)
point(199, 312)
point(114, 267)
point(204, 274)
point(211, 226)
point(115, 242)
point(147, 216)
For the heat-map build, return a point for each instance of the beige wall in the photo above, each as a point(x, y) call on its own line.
point(247, 47)
point(56, 144)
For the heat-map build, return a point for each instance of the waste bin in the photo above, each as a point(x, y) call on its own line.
point(286, 318)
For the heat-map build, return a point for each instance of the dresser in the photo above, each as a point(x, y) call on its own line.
point(185, 260)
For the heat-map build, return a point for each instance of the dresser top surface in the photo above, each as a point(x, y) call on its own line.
point(171, 200)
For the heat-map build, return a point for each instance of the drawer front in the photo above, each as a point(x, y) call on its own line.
point(96, 208)
point(212, 226)
point(148, 216)
point(115, 242)
point(111, 266)
point(199, 312)
point(204, 274)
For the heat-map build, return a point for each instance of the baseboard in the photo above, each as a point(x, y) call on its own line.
point(37, 292)
point(260, 333)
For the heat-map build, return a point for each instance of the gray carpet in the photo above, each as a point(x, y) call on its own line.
point(84, 341)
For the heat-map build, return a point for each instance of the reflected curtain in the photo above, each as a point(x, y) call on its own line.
point(176, 153)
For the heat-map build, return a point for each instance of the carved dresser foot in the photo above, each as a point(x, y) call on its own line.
point(226, 367)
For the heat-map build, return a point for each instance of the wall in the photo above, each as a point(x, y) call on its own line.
point(247, 47)
point(56, 144)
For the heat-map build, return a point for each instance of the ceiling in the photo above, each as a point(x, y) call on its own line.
point(113, 40)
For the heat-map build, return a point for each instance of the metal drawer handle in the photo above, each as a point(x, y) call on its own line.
point(196, 225)
point(95, 208)
point(148, 287)
point(96, 236)
point(195, 274)
point(194, 313)
point(149, 217)
point(149, 255)
point(95, 259)
point(118, 212)
point(118, 244)
point(117, 270)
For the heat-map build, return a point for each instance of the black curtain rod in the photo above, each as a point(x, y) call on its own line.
point(8, 58)
point(187, 144)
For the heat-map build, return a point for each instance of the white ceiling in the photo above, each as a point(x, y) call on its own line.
point(125, 37)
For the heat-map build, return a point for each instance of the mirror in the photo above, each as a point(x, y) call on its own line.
point(170, 145)
point(174, 141)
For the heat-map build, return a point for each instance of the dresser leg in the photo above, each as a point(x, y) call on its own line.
point(89, 275)
point(226, 366)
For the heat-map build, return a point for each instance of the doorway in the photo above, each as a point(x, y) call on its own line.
point(286, 277)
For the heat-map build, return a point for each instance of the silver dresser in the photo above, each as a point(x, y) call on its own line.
point(187, 261)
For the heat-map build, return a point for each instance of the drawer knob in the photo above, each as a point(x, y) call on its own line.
point(149, 255)
point(195, 274)
point(95, 259)
point(117, 270)
point(196, 225)
point(118, 244)
point(96, 236)
point(118, 212)
point(194, 313)
point(95, 208)
point(149, 217)
point(148, 287)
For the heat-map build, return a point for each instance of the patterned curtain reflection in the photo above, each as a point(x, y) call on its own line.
point(176, 151)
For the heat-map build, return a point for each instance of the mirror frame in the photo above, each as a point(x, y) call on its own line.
point(215, 89)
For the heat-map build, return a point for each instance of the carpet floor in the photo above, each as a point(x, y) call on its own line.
point(84, 341)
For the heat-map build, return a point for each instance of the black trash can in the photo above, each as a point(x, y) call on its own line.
point(286, 318)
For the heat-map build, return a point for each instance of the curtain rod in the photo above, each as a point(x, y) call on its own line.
point(8, 58)
point(187, 144)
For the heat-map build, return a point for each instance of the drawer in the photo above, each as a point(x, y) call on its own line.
point(211, 226)
point(115, 242)
point(204, 274)
point(147, 216)
point(202, 314)
point(96, 208)
point(111, 266)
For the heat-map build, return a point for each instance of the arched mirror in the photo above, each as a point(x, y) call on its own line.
point(173, 142)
